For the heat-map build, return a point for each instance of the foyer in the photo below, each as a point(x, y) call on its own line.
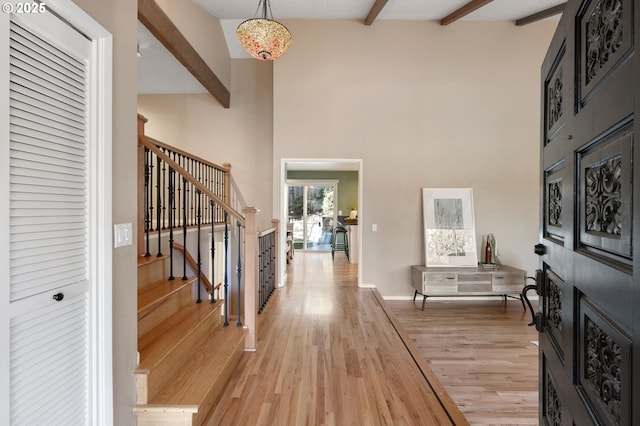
point(330, 353)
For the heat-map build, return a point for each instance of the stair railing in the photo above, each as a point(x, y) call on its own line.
point(267, 264)
point(172, 182)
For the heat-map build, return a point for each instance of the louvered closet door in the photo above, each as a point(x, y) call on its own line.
point(49, 235)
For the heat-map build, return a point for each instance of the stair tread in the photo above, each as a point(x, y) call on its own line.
point(145, 260)
point(157, 291)
point(159, 341)
point(191, 385)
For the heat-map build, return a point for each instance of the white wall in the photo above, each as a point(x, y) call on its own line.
point(424, 106)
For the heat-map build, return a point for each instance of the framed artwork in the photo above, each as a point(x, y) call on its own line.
point(449, 227)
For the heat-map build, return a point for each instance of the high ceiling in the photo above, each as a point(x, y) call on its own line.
point(232, 13)
point(159, 72)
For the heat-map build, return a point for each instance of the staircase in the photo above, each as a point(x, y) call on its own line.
point(186, 354)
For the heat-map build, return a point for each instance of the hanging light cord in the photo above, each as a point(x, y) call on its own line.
point(265, 5)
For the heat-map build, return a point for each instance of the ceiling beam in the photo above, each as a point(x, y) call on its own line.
point(163, 29)
point(555, 10)
point(375, 10)
point(463, 11)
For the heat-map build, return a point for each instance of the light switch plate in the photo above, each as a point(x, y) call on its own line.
point(123, 234)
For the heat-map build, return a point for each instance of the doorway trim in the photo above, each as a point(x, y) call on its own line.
point(321, 164)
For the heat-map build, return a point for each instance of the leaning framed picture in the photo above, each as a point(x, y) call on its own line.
point(449, 227)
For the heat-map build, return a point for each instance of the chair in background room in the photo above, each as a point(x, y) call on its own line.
point(340, 241)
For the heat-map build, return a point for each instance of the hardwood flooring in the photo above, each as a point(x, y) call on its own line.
point(483, 354)
point(329, 354)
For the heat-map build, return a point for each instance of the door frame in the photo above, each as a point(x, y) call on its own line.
point(99, 132)
point(306, 183)
point(281, 201)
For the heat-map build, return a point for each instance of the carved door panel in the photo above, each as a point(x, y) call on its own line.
point(590, 218)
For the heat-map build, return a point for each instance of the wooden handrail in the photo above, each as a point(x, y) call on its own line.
point(144, 140)
point(267, 232)
point(223, 168)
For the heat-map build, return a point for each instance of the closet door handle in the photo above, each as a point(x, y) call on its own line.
point(58, 297)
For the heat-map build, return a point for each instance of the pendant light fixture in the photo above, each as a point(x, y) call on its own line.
point(263, 38)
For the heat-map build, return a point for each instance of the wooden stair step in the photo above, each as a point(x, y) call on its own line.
point(203, 376)
point(171, 332)
point(145, 260)
point(161, 299)
point(151, 269)
point(158, 291)
point(169, 345)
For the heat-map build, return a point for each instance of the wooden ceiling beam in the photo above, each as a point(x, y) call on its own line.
point(375, 10)
point(165, 31)
point(463, 11)
point(552, 11)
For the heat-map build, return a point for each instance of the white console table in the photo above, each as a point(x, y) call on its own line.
point(505, 281)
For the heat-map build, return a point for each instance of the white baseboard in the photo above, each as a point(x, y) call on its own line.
point(367, 286)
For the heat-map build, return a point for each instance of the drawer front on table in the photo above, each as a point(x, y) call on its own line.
point(507, 283)
point(474, 283)
point(440, 284)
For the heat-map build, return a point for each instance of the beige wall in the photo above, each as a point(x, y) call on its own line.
point(204, 33)
point(120, 18)
point(240, 135)
point(423, 106)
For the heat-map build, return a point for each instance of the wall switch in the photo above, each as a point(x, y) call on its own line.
point(123, 234)
point(374, 227)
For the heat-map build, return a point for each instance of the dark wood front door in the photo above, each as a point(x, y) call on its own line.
point(590, 218)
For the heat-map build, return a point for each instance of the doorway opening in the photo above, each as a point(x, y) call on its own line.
point(316, 195)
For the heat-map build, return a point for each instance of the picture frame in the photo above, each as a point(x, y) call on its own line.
point(449, 227)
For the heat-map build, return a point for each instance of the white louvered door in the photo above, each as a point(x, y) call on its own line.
point(49, 181)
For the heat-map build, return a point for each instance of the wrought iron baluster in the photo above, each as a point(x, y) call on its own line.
point(213, 252)
point(158, 205)
point(192, 211)
point(260, 274)
point(199, 219)
point(147, 154)
point(239, 323)
point(164, 191)
point(272, 265)
point(226, 270)
point(151, 203)
point(172, 207)
point(179, 191)
point(184, 228)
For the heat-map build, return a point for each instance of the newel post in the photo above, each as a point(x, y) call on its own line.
point(227, 184)
point(250, 277)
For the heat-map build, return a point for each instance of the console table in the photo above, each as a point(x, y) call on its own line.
point(505, 281)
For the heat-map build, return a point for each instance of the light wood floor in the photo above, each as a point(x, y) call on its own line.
point(328, 354)
point(482, 353)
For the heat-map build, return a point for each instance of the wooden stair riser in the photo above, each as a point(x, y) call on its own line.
point(161, 311)
point(176, 357)
point(149, 415)
point(151, 272)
